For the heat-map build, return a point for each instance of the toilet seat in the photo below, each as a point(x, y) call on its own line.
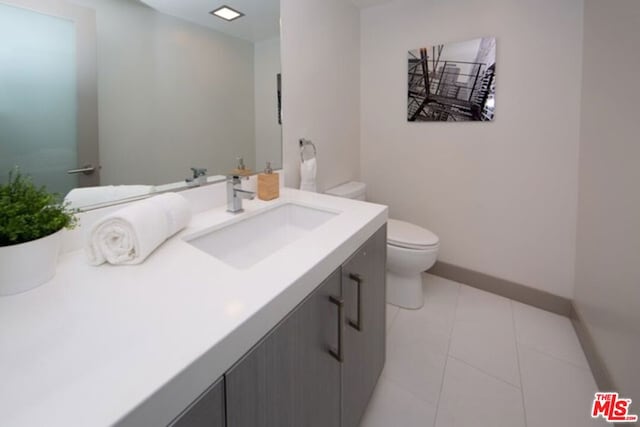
point(410, 236)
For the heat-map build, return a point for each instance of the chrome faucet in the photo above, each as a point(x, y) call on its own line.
point(235, 194)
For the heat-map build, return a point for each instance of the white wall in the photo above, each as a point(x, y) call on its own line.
point(268, 130)
point(501, 195)
point(320, 87)
point(607, 291)
point(171, 95)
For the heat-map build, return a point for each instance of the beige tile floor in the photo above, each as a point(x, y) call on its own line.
point(469, 358)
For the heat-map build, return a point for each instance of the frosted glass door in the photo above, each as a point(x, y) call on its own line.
point(38, 97)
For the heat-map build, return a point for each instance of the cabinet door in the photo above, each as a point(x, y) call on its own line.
point(363, 290)
point(207, 411)
point(291, 377)
point(259, 388)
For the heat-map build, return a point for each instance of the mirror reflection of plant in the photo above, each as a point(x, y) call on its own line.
point(28, 212)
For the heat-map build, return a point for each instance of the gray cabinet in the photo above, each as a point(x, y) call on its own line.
point(319, 366)
point(292, 376)
point(207, 411)
point(363, 290)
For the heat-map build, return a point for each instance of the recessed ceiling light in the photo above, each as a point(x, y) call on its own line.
point(226, 13)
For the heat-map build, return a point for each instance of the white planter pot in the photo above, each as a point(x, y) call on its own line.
point(28, 265)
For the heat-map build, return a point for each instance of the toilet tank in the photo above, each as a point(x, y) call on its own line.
point(350, 190)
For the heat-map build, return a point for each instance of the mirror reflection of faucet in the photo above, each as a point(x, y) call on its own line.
point(199, 177)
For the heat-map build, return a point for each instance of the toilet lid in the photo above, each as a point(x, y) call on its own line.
point(410, 236)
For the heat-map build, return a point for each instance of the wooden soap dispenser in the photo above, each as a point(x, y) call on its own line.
point(268, 184)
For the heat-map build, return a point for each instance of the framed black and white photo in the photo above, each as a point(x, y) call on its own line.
point(453, 82)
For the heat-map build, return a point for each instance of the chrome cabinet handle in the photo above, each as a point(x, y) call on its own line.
point(357, 325)
point(86, 169)
point(338, 353)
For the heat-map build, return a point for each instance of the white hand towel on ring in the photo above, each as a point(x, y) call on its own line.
point(308, 171)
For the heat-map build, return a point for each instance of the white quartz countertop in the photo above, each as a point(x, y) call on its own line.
point(134, 345)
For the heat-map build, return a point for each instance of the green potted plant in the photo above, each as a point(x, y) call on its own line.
point(31, 224)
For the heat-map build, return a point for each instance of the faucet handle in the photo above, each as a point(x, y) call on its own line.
point(198, 172)
point(233, 178)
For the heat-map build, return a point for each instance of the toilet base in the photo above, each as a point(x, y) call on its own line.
point(405, 291)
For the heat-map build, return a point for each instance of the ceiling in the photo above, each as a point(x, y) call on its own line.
point(261, 20)
point(362, 4)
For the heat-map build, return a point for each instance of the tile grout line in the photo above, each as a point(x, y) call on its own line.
point(477, 368)
point(400, 384)
point(404, 388)
point(585, 369)
point(446, 360)
point(482, 371)
point(515, 335)
point(394, 381)
point(554, 357)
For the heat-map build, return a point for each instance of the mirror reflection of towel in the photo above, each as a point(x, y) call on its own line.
point(308, 171)
point(89, 196)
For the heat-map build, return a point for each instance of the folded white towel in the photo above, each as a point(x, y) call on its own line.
point(131, 234)
point(308, 171)
point(88, 196)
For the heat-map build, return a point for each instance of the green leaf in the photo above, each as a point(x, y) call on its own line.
point(28, 212)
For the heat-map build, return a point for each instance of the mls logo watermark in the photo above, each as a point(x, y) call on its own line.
point(612, 408)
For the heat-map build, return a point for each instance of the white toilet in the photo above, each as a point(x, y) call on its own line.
point(410, 251)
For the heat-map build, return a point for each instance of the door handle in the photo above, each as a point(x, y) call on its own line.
point(338, 353)
point(86, 170)
point(357, 325)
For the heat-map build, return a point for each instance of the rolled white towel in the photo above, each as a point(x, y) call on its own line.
point(131, 234)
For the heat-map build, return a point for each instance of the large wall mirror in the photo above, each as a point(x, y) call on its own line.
point(113, 99)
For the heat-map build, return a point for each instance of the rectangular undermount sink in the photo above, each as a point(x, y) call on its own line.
point(244, 243)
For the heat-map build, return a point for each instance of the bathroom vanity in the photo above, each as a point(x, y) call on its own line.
point(286, 332)
point(319, 365)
